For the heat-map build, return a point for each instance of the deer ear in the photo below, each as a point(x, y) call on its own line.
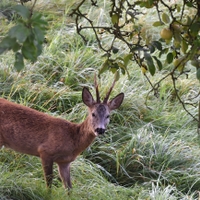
point(116, 102)
point(87, 97)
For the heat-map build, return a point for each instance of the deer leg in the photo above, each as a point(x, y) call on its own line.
point(47, 165)
point(64, 171)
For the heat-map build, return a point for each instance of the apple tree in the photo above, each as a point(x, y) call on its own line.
point(157, 35)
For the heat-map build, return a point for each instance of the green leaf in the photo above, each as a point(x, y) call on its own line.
point(29, 50)
point(157, 44)
point(150, 63)
point(20, 32)
point(123, 71)
point(36, 17)
point(122, 67)
point(164, 51)
point(6, 44)
point(37, 20)
point(158, 63)
point(127, 58)
point(147, 4)
point(117, 75)
point(136, 48)
point(39, 49)
point(16, 46)
point(150, 2)
point(151, 48)
point(104, 67)
point(158, 23)
point(170, 57)
point(19, 62)
point(22, 11)
point(113, 69)
point(115, 19)
point(177, 37)
point(165, 18)
point(194, 29)
point(178, 8)
point(39, 34)
point(189, 20)
point(198, 74)
point(184, 46)
point(189, 4)
point(41, 24)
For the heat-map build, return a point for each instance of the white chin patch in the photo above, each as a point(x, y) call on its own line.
point(96, 134)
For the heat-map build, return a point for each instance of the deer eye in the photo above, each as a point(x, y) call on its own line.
point(108, 116)
point(93, 115)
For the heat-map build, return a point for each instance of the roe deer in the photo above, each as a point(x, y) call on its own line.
point(54, 139)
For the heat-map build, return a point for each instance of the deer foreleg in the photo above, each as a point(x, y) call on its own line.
point(47, 165)
point(64, 171)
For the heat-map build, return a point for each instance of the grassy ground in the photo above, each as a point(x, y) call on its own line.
point(147, 153)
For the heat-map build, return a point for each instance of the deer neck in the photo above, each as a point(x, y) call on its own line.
point(86, 134)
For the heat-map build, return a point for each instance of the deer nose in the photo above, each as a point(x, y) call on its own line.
point(100, 131)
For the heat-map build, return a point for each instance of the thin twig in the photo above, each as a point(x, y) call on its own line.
point(180, 100)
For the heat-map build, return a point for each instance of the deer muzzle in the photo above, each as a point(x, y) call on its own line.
point(100, 131)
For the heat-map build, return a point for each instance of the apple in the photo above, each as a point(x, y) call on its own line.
point(166, 34)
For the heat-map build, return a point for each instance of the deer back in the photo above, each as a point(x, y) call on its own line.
point(25, 130)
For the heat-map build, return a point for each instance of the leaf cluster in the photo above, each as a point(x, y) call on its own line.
point(25, 38)
point(182, 27)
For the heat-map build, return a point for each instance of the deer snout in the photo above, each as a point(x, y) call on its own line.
point(100, 131)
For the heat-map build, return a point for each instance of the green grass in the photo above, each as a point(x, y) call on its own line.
point(147, 152)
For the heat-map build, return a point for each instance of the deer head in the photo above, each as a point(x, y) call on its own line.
point(99, 112)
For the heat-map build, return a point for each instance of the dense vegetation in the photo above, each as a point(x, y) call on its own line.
point(148, 152)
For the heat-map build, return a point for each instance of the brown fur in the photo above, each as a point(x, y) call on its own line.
point(52, 139)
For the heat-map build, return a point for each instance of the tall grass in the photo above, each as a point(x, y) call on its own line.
point(148, 152)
